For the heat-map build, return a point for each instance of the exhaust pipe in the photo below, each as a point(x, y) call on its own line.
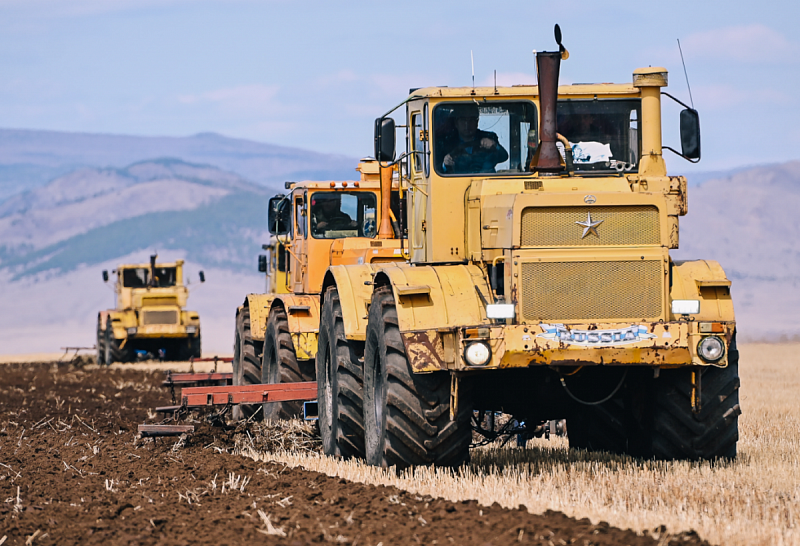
point(548, 65)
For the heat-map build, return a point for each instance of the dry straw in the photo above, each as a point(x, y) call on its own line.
point(754, 500)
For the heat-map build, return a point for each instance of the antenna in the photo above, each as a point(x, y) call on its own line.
point(686, 75)
point(495, 82)
point(472, 60)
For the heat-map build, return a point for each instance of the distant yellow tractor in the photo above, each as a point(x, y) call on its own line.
point(315, 225)
point(539, 284)
point(150, 318)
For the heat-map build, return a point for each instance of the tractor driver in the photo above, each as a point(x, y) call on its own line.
point(471, 150)
point(326, 214)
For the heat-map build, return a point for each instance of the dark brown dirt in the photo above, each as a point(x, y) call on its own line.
point(72, 472)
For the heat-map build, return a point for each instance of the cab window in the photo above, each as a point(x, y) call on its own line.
point(604, 134)
point(494, 137)
point(338, 214)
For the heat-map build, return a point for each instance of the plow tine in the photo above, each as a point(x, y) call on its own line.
point(148, 431)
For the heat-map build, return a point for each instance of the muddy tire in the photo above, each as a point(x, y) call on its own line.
point(407, 415)
point(236, 361)
point(114, 349)
point(247, 370)
point(340, 384)
point(280, 365)
point(191, 348)
point(101, 343)
point(679, 433)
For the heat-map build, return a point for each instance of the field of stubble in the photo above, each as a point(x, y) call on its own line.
point(753, 500)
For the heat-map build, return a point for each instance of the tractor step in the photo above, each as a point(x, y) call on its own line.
point(248, 394)
point(148, 431)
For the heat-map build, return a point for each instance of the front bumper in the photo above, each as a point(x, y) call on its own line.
point(659, 344)
point(158, 331)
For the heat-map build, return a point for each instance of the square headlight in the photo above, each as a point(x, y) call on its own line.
point(685, 307)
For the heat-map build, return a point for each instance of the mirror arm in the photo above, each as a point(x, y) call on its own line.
point(676, 152)
point(402, 157)
point(679, 102)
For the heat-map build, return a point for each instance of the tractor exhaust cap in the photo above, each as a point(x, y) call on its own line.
point(548, 65)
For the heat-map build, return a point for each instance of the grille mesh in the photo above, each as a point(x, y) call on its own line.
point(159, 300)
point(622, 225)
point(562, 291)
point(160, 317)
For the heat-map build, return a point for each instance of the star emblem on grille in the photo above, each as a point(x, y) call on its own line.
point(589, 226)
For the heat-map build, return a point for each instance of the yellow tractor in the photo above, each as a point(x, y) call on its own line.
point(314, 225)
point(539, 284)
point(150, 318)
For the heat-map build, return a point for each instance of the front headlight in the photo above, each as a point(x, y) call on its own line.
point(478, 353)
point(191, 329)
point(711, 348)
point(132, 331)
point(685, 307)
point(500, 310)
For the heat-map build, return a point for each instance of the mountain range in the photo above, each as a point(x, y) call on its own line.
point(81, 203)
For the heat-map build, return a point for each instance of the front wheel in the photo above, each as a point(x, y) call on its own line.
point(680, 433)
point(280, 365)
point(340, 377)
point(407, 415)
point(246, 360)
point(101, 343)
point(116, 350)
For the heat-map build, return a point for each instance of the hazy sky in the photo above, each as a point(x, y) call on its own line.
point(315, 74)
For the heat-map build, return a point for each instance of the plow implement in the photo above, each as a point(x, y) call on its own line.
point(227, 396)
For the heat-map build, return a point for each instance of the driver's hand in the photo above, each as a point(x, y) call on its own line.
point(487, 142)
point(322, 225)
point(449, 161)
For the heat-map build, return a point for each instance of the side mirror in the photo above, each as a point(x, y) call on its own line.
point(105, 276)
point(262, 263)
point(202, 276)
point(279, 215)
point(384, 139)
point(690, 133)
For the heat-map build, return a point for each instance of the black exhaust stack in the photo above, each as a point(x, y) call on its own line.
point(548, 65)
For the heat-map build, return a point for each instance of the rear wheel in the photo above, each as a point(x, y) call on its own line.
point(680, 433)
point(101, 343)
point(340, 378)
point(249, 361)
point(116, 350)
point(407, 415)
point(280, 365)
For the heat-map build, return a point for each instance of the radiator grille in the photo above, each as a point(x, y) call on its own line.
point(622, 225)
point(159, 300)
point(562, 291)
point(169, 316)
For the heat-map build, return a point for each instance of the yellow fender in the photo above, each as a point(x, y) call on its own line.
point(354, 283)
point(704, 280)
point(302, 312)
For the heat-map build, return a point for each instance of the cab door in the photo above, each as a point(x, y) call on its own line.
point(300, 243)
point(418, 192)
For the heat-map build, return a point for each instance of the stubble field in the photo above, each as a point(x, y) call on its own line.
point(72, 471)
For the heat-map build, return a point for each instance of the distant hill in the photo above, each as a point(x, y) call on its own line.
point(93, 215)
point(30, 159)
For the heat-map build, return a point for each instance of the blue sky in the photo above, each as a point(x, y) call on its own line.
point(315, 74)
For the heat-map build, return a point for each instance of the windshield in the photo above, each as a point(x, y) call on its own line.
point(139, 277)
point(604, 134)
point(484, 138)
point(337, 214)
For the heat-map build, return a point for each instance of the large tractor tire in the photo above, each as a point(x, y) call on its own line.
point(599, 427)
point(116, 350)
point(246, 361)
point(678, 432)
point(407, 415)
point(340, 384)
point(101, 343)
point(190, 348)
point(280, 365)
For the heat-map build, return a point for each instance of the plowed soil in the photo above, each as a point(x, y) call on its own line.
point(72, 471)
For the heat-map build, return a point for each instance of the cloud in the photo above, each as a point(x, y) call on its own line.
point(244, 99)
point(748, 43)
